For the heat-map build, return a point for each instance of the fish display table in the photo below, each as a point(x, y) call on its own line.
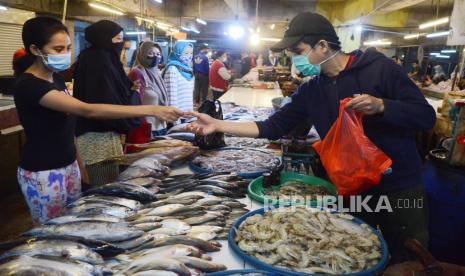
point(250, 97)
point(225, 256)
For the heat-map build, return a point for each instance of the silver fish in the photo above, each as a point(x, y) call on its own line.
point(147, 226)
point(163, 264)
point(203, 228)
point(91, 230)
point(109, 200)
point(200, 220)
point(115, 210)
point(83, 217)
point(180, 226)
point(144, 181)
point(201, 244)
point(25, 265)
point(171, 209)
point(57, 248)
point(133, 243)
point(203, 265)
point(206, 236)
point(156, 273)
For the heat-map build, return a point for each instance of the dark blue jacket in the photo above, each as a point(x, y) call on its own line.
point(406, 110)
point(201, 64)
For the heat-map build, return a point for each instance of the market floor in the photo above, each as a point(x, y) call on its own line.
point(14, 217)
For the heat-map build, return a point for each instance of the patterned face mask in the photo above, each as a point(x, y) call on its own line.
point(186, 59)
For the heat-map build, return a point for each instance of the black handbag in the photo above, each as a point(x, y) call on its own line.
point(214, 140)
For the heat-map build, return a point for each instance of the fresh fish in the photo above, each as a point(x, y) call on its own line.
point(184, 136)
point(156, 273)
point(144, 181)
point(160, 264)
point(90, 230)
point(133, 243)
point(146, 219)
point(157, 170)
point(109, 200)
point(219, 208)
point(152, 162)
point(166, 231)
point(125, 190)
point(206, 236)
point(190, 195)
point(58, 248)
point(147, 226)
point(209, 200)
point(169, 250)
point(234, 204)
point(214, 190)
point(115, 210)
point(203, 265)
point(172, 209)
point(176, 224)
point(180, 186)
point(220, 184)
point(25, 265)
point(188, 214)
point(83, 217)
point(184, 201)
point(200, 244)
point(203, 228)
point(200, 220)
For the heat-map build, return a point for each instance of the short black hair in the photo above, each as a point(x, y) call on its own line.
point(203, 47)
point(219, 53)
point(313, 40)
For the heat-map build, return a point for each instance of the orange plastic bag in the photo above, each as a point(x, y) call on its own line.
point(353, 163)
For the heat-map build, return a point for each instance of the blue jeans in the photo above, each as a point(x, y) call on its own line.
point(160, 132)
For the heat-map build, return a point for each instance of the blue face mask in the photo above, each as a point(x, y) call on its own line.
point(186, 59)
point(57, 63)
point(307, 69)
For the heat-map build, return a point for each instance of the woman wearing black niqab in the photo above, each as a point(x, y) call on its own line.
point(99, 77)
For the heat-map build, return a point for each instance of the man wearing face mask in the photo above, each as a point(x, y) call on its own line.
point(219, 75)
point(393, 106)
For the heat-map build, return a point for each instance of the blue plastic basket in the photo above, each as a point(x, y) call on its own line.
point(242, 271)
point(279, 271)
point(251, 175)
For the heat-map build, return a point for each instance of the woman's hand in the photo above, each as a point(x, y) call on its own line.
point(136, 85)
point(167, 113)
point(204, 125)
point(367, 104)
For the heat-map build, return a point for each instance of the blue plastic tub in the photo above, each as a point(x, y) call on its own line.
point(252, 175)
point(241, 272)
point(264, 266)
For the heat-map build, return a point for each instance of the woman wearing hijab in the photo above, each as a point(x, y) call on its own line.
point(153, 89)
point(100, 78)
point(178, 76)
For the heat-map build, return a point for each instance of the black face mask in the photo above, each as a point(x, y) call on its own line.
point(153, 61)
point(118, 47)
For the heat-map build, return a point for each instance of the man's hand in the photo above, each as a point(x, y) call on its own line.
point(367, 104)
point(204, 125)
point(167, 113)
point(136, 85)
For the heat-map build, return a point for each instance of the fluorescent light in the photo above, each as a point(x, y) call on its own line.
point(359, 28)
point(206, 44)
point(434, 23)
point(174, 30)
point(272, 26)
point(442, 56)
point(3, 8)
point(105, 8)
point(377, 43)
point(159, 1)
point(201, 21)
point(161, 24)
point(272, 39)
point(236, 31)
point(162, 27)
point(145, 19)
point(434, 54)
point(437, 34)
point(412, 36)
point(449, 51)
point(185, 29)
point(136, 33)
point(195, 31)
point(254, 39)
point(188, 40)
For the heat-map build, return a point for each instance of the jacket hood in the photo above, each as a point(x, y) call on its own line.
point(364, 58)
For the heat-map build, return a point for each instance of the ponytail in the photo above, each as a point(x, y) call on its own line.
point(21, 64)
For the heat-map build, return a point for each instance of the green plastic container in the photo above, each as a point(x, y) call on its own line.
point(257, 192)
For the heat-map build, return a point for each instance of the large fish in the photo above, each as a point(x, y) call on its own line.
point(201, 244)
point(109, 200)
point(133, 171)
point(203, 265)
point(90, 230)
point(103, 208)
point(125, 190)
point(25, 265)
point(57, 248)
point(86, 216)
point(144, 181)
point(160, 264)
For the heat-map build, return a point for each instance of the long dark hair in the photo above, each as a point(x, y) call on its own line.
point(37, 31)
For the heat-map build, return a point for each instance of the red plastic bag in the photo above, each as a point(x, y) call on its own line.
point(353, 163)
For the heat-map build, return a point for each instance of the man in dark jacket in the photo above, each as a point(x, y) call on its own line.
point(394, 109)
point(201, 70)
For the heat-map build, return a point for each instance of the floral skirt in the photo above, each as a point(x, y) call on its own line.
point(48, 192)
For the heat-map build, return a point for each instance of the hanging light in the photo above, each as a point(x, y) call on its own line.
point(201, 21)
point(105, 8)
point(159, 1)
point(377, 43)
point(136, 33)
point(412, 36)
point(431, 35)
point(442, 56)
point(449, 51)
point(359, 28)
point(236, 31)
point(434, 54)
point(174, 30)
point(195, 31)
point(434, 23)
point(145, 19)
point(185, 29)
